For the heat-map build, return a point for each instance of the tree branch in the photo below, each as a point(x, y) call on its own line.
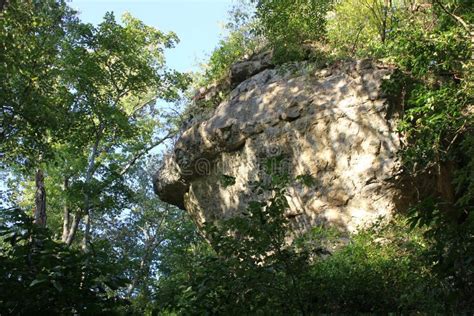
point(457, 18)
point(144, 152)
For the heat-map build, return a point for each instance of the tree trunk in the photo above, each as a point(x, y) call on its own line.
point(86, 208)
point(151, 244)
point(40, 200)
point(72, 231)
point(66, 224)
point(144, 269)
point(385, 15)
point(66, 214)
point(87, 231)
point(89, 175)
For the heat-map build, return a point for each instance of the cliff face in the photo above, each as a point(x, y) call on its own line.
point(331, 124)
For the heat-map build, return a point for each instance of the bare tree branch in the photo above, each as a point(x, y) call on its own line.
point(143, 152)
point(460, 20)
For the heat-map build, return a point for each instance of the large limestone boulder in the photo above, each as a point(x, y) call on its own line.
point(333, 124)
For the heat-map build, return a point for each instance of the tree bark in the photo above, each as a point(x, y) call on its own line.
point(87, 219)
point(66, 214)
point(86, 207)
point(40, 200)
point(72, 231)
point(87, 231)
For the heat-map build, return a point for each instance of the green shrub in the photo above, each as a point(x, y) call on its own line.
point(288, 24)
point(355, 27)
point(229, 50)
point(41, 276)
point(249, 267)
point(379, 271)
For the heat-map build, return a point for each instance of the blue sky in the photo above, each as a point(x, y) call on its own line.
point(196, 22)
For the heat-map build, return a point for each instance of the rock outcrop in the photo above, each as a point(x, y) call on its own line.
point(332, 124)
point(245, 69)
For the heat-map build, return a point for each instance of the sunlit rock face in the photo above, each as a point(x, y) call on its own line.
point(332, 124)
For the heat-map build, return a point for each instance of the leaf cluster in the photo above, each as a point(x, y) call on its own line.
point(40, 275)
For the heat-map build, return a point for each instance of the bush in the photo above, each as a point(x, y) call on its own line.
point(39, 275)
point(354, 28)
point(381, 270)
point(249, 267)
point(288, 24)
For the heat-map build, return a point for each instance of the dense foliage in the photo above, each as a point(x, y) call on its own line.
point(288, 24)
point(33, 101)
point(248, 266)
point(41, 275)
point(80, 104)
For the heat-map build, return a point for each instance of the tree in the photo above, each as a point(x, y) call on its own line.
point(139, 235)
point(33, 101)
point(360, 26)
point(88, 117)
point(288, 24)
point(110, 78)
point(118, 74)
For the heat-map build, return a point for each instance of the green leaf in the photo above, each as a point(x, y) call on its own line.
point(227, 180)
point(38, 281)
point(57, 286)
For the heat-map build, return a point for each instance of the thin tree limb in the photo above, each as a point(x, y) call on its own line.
point(460, 20)
point(143, 152)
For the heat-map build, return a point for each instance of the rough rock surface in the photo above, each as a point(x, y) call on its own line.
point(332, 124)
point(245, 69)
